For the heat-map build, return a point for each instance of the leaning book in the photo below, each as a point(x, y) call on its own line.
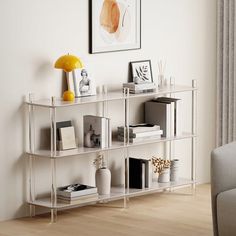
point(76, 190)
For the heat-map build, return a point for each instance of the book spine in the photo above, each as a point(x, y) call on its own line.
point(143, 175)
point(147, 134)
point(103, 133)
point(109, 133)
point(172, 119)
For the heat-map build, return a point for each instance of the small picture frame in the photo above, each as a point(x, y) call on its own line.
point(141, 71)
point(83, 83)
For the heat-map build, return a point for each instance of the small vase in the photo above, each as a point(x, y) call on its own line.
point(174, 170)
point(103, 181)
point(164, 176)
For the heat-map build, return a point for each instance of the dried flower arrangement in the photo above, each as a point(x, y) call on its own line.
point(99, 162)
point(160, 164)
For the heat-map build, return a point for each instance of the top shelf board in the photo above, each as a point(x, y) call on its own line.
point(110, 96)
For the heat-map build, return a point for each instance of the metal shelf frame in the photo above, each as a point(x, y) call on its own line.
point(123, 192)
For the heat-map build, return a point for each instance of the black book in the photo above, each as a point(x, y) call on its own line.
point(135, 173)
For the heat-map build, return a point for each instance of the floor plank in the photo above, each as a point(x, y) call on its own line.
point(167, 214)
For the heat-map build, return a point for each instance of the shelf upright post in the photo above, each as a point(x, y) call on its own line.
point(53, 161)
point(194, 124)
point(105, 114)
point(171, 142)
point(31, 157)
point(126, 143)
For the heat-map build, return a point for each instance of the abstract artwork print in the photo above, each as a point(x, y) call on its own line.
point(115, 25)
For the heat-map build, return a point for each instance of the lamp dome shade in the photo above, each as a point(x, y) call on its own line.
point(68, 63)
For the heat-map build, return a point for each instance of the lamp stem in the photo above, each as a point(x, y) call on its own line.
point(68, 80)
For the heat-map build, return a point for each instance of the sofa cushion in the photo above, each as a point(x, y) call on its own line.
point(226, 213)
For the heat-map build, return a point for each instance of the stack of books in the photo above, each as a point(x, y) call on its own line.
point(140, 88)
point(140, 132)
point(76, 193)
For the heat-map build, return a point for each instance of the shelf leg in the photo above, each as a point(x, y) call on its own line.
point(126, 142)
point(53, 215)
point(53, 163)
point(53, 191)
point(31, 158)
point(31, 186)
point(193, 141)
point(32, 210)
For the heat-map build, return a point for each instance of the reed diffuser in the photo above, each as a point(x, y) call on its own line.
point(161, 73)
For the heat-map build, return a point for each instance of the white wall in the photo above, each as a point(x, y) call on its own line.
point(35, 33)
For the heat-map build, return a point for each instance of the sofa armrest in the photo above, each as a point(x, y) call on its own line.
point(223, 174)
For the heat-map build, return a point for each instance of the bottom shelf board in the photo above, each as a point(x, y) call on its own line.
point(117, 193)
point(158, 187)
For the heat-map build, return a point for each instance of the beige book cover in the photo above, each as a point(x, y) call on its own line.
point(68, 138)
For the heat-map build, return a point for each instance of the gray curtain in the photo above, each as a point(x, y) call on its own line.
point(226, 72)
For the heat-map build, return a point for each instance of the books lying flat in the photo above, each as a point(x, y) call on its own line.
point(76, 190)
point(140, 88)
point(142, 91)
point(88, 197)
point(139, 128)
point(137, 140)
point(143, 86)
point(143, 134)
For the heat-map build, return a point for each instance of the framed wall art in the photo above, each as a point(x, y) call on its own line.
point(141, 71)
point(115, 25)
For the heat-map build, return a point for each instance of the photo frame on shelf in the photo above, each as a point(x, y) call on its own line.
point(82, 83)
point(114, 25)
point(141, 71)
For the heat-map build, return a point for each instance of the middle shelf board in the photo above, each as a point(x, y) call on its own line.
point(117, 193)
point(115, 145)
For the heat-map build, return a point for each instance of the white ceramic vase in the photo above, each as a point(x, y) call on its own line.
point(103, 181)
point(164, 176)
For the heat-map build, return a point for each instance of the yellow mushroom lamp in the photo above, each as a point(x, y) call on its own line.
point(68, 63)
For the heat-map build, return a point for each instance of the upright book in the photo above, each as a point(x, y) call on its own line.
point(140, 175)
point(177, 106)
point(158, 113)
point(96, 132)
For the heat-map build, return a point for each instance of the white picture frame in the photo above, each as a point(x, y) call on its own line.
point(82, 83)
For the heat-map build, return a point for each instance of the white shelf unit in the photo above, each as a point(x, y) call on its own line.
point(117, 193)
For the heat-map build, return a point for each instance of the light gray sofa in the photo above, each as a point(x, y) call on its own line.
point(223, 190)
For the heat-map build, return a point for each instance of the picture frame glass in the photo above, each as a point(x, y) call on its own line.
point(141, 72)
point(115, 25)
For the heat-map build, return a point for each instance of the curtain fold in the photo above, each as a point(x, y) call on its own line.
point(226, 65)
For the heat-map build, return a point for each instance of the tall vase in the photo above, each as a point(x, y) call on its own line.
point(103, 181)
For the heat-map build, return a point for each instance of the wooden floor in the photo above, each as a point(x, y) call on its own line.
point(176, 213)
